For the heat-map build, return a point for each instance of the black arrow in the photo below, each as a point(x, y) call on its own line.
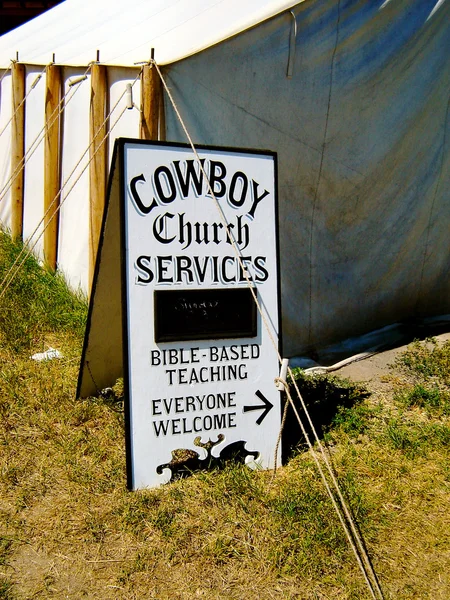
point(267, 406)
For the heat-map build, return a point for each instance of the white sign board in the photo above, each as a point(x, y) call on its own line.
point(200, 359)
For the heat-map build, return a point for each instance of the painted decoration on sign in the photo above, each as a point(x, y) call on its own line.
point(200, 362)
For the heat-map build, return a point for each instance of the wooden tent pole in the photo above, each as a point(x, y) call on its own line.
point(52, 164)
point(98, 156)
point(17, 148)
point(150, 103)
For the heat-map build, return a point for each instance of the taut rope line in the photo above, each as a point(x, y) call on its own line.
point(7, 70)
point(59, 109)
point(33, 85)
point(221, 214)
point(338, 509)
point(10, 275)
point(26, 251)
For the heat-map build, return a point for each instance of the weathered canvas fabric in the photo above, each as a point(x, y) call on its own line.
point(361, 129)
point(362, 135)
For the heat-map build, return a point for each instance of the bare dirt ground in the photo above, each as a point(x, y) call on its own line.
point(375, 371)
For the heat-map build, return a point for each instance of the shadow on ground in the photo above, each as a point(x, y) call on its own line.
point(323, 395)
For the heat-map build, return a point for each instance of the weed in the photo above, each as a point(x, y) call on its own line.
point(416, 438)
point(163, 520)
point(329, 389)
point(5, 549)
point(355, 496)
point(221, 548)
point(433, 399)
point(427, 360)
point(6, 587)
point(438, 434)
point(354, 420)
point(6, 591)
point(403, 436)
point(134, 511)
point(326, 398)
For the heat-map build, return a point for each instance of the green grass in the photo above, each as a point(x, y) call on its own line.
point(37, 302)
point(423, 398)
point(5, 589)
point(354, 420)
point(69, 529)
point(6, 548)
point(426, 361)
point(331, 402)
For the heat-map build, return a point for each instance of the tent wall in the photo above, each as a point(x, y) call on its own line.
point(128, 125)
point(73, 234)
point(73, 247)
point(361, 132)
point(33, 203)
point(5, 148)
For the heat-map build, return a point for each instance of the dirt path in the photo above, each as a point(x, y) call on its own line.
point(374, 369)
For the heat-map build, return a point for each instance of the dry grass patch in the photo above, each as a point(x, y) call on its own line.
point(69, 529)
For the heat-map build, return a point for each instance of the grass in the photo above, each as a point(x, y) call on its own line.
point(427, 361)
point(40, 293)
point(69, 529)
point(330, 400)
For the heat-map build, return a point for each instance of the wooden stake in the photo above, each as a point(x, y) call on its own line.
point(150, 103)
point(17, 149)
point(98, 165)
point(52, 164)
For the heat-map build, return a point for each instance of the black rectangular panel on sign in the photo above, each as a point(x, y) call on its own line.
point(210, 314)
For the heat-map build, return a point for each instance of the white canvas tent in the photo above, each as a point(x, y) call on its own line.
point(354, 98)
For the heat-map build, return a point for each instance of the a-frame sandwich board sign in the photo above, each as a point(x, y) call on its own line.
point(172, 310)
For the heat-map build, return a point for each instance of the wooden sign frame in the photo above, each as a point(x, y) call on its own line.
point(199, 389)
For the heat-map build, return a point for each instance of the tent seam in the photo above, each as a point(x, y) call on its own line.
point(319, 176)
point(427, 239)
